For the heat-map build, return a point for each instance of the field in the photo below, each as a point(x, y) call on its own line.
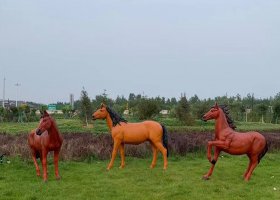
point(182, 180)
point(87, 178)
point(99, 126)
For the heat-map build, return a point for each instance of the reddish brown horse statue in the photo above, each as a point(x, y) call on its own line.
point(133, 133)
point(226, 139)
point(46, 138)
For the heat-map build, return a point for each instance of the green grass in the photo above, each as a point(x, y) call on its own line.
point(100, 126)
point(182, 180)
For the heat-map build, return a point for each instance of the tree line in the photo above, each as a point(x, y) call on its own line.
point(185, 109)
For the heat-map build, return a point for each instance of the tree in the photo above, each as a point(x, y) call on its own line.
point(85, 107)
point(147, 108)
point(276, 112)
point(183, 111)
point(261, 110)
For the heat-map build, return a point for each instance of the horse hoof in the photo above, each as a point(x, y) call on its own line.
point(121, 167)
point(152, 166)
point(58, 178)
point(206, 178)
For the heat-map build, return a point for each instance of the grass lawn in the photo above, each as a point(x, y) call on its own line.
point(99, 126)
point(182, 180)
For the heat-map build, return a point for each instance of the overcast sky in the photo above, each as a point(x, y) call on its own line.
point(155, 47)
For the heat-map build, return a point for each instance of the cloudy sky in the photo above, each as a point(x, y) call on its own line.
point(155, 47)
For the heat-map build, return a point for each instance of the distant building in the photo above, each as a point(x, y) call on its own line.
point(164, 112)
point(126, 112)
point(72, 101)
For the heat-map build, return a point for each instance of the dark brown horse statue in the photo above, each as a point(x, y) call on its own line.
point(46, 138)
point(253, 144)
point(133, 133)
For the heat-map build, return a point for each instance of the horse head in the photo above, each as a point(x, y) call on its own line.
point(100, 113)
point(213, 113)
point(45, 123)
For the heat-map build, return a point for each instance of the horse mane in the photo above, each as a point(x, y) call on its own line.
point(116, 118)
point(228, 117)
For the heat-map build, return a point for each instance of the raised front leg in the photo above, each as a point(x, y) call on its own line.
point(218, 143)
point(216, 156)
point(122, 156)
point(35, 162)
point(55, 160)
point(44, 165)
point(114, 153)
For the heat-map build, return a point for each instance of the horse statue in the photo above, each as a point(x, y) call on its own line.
point(133, 133)
point(228, 140)
point(44, 139)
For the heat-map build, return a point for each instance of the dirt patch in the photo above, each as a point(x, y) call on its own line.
point(79, 146)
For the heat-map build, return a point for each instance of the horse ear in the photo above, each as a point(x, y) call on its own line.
point(46, 113)
point(102, 105)
point(216, 105)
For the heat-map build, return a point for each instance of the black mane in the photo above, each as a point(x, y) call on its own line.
point(116, 118)
point(228, 117)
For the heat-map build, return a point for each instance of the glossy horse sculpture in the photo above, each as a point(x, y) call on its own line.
point(133, 133)
point(228, 140)
point(46, 138)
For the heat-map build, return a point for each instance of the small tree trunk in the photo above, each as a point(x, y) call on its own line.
point(86, 121)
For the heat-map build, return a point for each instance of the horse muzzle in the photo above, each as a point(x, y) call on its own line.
point(38, 131)
point(204, 119)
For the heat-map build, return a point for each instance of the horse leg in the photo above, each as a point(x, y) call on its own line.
point(214, 161)
point(154, 162)
point(164, 153)
point(114, 153)
point(122, 156)
point(55, 160)
point(217, 143)
point(254, 163)
point(35, 162)
point(44, 165)
point(248, 168)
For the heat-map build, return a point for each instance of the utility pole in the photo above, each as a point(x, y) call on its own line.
point(3, 103)
point(17, 85)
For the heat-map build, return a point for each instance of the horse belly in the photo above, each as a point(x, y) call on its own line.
point(135, 138)
point(239, 147)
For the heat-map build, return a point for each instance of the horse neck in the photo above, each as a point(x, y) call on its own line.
point(109, 122)
point(53, 133)
point(221, 123)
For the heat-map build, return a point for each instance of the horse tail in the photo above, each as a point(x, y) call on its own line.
point(265, 149)
point(165, 138)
